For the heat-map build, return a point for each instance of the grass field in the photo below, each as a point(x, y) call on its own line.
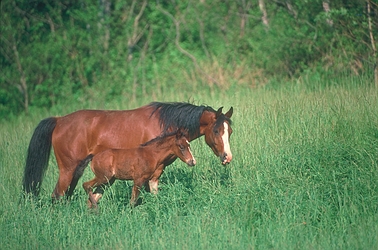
point(304, 176)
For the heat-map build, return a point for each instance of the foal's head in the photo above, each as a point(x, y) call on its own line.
point(182, 148)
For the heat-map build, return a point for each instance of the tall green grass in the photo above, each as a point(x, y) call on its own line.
point(304, 176)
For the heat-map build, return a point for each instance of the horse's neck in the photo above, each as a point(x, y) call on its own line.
point(161, 151)
point(207, 118)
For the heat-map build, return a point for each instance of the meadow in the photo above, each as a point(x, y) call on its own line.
point(304, 175)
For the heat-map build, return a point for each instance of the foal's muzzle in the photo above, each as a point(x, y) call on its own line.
point(191, 162)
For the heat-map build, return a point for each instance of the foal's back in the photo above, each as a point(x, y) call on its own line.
point(118, 163)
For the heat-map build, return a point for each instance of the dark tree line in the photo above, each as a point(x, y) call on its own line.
point(53, 49)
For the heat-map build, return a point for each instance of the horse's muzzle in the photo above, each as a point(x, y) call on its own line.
point(225, 158)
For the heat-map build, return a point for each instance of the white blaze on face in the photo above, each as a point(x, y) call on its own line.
point(194, 160)
point(226, 143)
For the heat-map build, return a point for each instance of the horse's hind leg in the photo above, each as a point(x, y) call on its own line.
point(66, 175)
point(62, 185)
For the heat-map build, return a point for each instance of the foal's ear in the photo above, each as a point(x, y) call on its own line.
point(219, 112)
point(182, 132)
point(229, 113)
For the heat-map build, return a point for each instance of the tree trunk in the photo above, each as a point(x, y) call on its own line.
point(137, 32)
point(264, 17)
point(23, 88)
point(104, 15)
point(374, 48)
point(326, 10)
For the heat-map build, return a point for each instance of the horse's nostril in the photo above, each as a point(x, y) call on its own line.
point(224, 156)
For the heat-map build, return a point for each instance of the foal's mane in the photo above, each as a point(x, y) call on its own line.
point(174, 115)
point(159, 140)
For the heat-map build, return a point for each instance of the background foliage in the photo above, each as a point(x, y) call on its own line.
point(65, 51)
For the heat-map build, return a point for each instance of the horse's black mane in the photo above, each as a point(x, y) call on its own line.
point(174, 115)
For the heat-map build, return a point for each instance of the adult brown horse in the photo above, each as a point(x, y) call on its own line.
point(85, 132)
point(139, 164)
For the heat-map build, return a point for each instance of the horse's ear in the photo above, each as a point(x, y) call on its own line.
point(229, 113)
point(219, 112)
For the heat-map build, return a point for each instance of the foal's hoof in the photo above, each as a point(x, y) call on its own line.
point(91, 205)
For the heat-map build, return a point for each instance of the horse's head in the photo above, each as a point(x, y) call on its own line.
point(217, 135)
point(183, 148)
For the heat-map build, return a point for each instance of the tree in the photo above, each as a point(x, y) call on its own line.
point(370, 5)
point(15, 76)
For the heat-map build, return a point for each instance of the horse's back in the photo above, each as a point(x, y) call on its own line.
point(85, 132)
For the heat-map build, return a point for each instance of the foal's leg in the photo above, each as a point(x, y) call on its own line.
point(153, 185)
point(99, 184)
point(88, 187)
point(154, 181)
point(136, 191)
point(99, 191)
point(134, 195)
point(97, 194)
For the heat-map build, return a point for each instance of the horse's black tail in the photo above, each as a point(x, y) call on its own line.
point(82, 166)
point(38, 156)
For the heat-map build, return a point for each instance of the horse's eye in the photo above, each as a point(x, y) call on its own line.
point(216, 132)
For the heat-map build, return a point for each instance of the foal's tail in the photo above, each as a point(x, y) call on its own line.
point(38, 156)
